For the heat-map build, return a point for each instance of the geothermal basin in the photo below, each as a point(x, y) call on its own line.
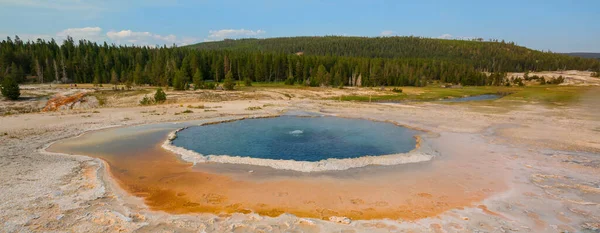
point(315, 167)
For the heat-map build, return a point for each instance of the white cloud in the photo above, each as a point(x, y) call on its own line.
point(147, 38)
point(233, 33)
point(446, 36)
point(388, 33)
point(88, 33)
point(96, 34)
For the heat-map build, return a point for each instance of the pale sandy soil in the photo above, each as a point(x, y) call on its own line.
point(549, 158)
point(572, 77)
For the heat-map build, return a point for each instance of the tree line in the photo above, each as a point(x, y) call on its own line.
point(89, 62)
point(489, 56)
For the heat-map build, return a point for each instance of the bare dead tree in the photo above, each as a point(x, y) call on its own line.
point(39, 70)
point(64, 70)
point(56, 77)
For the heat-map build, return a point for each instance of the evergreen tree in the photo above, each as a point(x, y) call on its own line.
point(198, 80)
point(229, 83)
point(179, 81)
point(137, 75)
point(114, 79)
point(321, 76)
point(329, 61)
point(10, 88)
point(160, 96)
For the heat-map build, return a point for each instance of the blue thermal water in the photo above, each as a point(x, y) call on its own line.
point(298, 138)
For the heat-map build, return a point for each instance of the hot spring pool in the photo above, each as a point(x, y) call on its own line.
point(298, 138)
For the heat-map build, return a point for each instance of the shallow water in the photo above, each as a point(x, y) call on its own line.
point(473, 98)
point(298, 138)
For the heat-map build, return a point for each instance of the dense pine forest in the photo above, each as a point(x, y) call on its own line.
point(331, 61)
point(491, 56)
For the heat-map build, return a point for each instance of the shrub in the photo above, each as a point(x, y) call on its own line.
point(160, 96)
point(209, 85)
point(397, 90)
point(289, 81)
point(10, 88)
point(128, 85)
point(248, 82)
point(558, 80)
point(146, 101)
point(254, 108)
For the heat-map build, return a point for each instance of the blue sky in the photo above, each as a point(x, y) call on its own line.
point(559, 26)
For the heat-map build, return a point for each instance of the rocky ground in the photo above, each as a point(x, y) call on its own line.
point(552, 156)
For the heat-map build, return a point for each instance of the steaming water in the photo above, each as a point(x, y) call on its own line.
point(298, 138)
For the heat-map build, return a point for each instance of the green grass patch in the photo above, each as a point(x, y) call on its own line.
point(270, 85)
point(549, 94)
point(428, 93)
point(545, 94)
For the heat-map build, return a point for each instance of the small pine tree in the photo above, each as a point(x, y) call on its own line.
point(228, 83)
point(198, 80)
point(179, 81)
point(10, 88)
point(160, 96)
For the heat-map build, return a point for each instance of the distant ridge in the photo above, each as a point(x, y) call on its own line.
point(584, 55)
point(482, 55)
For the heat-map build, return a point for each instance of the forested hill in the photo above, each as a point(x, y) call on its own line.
point(483, 55)
point(328, 61)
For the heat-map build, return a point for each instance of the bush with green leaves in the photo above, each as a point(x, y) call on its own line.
point(10, 88)
point(248, 82)
point(289, 81)
point(556, 81)
point(146, 101)
point(397, 90)
point(160, 96)
point(210, 86)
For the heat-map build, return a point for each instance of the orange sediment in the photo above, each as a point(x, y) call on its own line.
point(170, 185)
point(56, 102)
point(460, 177)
